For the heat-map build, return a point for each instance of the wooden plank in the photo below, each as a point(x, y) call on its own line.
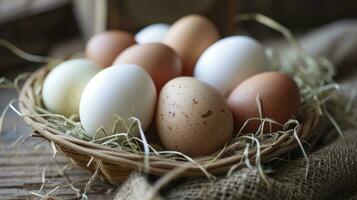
point(20, 176)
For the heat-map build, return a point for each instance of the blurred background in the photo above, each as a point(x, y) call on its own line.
point(61, 27)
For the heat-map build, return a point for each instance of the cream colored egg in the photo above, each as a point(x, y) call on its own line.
point(152, 33)
point(192, 117)
point(230, 61)
point(124, 90)
point(63, 86)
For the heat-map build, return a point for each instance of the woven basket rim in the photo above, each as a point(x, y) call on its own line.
point(158, 165)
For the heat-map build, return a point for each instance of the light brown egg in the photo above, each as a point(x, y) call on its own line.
point(189, 37)
point(192, 117)
point(159, 60)
point(279, 100)
point(104, 47)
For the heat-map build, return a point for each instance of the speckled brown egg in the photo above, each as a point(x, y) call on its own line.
point(279, 99)
point(189, 37)
point(192, 117)
point(159, 60)
point(105, 46)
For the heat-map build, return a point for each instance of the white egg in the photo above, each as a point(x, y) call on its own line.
point(124, 90)
point(229, 61)
point(151, 33)
point(63, 86)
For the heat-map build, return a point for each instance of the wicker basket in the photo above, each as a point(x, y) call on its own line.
point(115, 165)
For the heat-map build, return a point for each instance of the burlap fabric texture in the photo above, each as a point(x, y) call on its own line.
point(332, 175)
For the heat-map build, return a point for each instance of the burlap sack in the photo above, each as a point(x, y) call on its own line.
point(332, 174)
point(332, 170)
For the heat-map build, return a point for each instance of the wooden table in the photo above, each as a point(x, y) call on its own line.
point(27, 164)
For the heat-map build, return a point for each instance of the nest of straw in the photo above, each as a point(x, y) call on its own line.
point(115, 164)
point(116, 156)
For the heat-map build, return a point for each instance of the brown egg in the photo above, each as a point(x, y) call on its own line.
point(104, 47)
point(279, 100)
point(159, 60)
point(189, 37)
point(192, 117)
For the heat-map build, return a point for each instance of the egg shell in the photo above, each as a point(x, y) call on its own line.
point(279, 99)
point(126, 91)
point(104, 47)
point(159, 60)
point(192, 117)
point(152, 33)
point(230, 61)
point(189, 37)
point(63, 86)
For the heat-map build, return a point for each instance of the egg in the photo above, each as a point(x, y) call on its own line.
point(159, 60)
point(105, 46)
point(279, 99)
point(189, 37)
point(229, 61)
point(152, 33)
point(126, 91)
point(63, 86)
point(192, 117)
